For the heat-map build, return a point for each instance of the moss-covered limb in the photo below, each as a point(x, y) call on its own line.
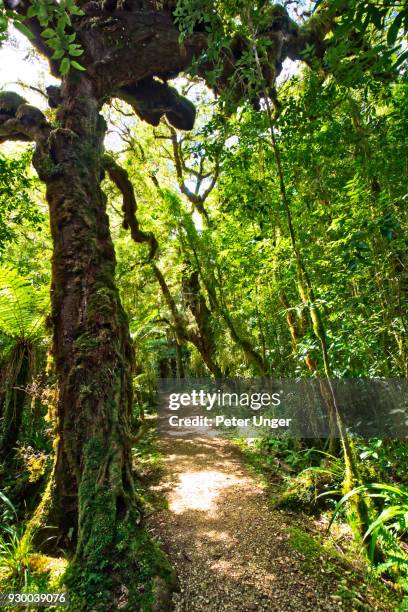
point(181, 328)
point(214, 292)
point(296, 330)
point(203, 317)
point(121, 179)
point(193, 295)
point(252, 355)
point(151, 100)
point(21, 121)
point(179, 359)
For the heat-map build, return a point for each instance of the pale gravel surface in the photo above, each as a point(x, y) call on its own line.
point(229, 549)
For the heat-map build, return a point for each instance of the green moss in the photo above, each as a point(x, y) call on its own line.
point(133, 572)
point(38, 521)
point(51, 568)
point(85, 342)
point(116, 560)
point(303, 492)
point(101, 302)
point(304, 543)
point(354, 586)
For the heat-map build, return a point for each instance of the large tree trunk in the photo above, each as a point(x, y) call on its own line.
point(92, 349)
point(90, 497)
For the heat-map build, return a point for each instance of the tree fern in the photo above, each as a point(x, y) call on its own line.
point(22, 311)
point(22, 306)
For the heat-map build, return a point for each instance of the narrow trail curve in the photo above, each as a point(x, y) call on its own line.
point(230, 550)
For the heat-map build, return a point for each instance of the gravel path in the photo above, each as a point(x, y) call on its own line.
point(231, 552)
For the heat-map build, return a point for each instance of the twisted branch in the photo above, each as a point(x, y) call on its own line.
point(121, 179)
point(20, 121)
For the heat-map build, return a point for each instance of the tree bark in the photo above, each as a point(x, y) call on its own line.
point(91, 497)
point(202, 315)
point(92, 349)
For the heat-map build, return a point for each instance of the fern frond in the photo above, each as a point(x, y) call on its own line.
point(22, 306)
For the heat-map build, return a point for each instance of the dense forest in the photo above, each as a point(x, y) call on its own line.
point(200, 190)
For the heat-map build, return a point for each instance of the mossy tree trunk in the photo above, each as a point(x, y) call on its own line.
point(91, 497)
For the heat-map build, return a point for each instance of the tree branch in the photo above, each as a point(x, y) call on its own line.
point(21, 121)
point(151, 99)
point(121, 179)
point(183, 334)
point(195, 198)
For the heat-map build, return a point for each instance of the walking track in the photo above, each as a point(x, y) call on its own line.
point(231, 551)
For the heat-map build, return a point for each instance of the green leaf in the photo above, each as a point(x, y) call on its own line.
point(7, 502)
point(32, 11)
point(54, 43)
point(58, 54)
point(78, 66)
point(23, 29)
point(75, 50)
point(65, 66)
point(48, 33)
point(75, 10)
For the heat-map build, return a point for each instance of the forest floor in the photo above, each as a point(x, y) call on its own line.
point(232, 551)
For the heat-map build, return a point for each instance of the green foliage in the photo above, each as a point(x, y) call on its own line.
point(17, 204)
point(8, 511)
point(388, 528)
point(385, 459)
point(314, 487)
point(386, 22)
point(55, 20)
point(21, 568)
point(342, 137)
point(304, 543)
point(15, 552)
point(22, 307)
